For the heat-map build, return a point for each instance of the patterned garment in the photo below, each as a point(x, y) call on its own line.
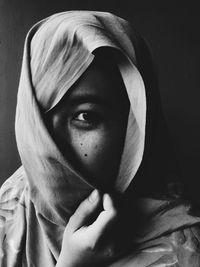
point(37, 201)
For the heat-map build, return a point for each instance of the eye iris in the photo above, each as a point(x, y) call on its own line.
point(85, 117)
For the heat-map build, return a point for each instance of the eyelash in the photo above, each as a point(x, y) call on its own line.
point(93, 121)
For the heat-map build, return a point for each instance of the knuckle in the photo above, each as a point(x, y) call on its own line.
point(89, 206)
point(88, 202)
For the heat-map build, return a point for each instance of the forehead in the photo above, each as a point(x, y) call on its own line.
point(102, 80)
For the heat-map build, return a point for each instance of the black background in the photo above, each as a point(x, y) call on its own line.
point(171, 29)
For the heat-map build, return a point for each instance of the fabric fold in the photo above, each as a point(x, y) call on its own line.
point(47, 189)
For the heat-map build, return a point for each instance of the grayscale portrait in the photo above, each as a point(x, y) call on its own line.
point(99, 140)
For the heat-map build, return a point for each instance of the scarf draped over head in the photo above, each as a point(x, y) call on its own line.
point(57, 51)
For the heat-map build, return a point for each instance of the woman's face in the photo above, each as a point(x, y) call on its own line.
point(89, 124)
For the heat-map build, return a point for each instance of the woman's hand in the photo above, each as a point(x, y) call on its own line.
point(85, 240)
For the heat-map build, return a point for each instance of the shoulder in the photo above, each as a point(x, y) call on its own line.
point(13, 185)
point(186, 245)
point(10, 193)
point(12, 219)
point(179, 249)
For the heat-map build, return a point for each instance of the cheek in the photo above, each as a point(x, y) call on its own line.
point(98, 152)
point(87, 145)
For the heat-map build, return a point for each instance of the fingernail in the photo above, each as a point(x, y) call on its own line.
point(94, 196)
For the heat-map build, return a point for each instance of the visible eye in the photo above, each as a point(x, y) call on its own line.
point(87, 119)
point(86, 116)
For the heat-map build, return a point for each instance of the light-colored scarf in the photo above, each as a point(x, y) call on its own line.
point(38, 200)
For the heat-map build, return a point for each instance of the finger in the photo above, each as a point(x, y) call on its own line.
point(84, 211)
point(105, 219)
point(108, 203)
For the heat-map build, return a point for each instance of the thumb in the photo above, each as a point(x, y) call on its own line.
point(84, 211)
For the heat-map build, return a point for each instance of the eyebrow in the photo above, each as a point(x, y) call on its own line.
point(77, 99)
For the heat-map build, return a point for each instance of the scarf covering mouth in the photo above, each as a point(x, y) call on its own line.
point(48, 189)
point(57, 52)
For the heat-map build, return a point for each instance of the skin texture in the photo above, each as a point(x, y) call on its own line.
point(89, 124)
point(82, 244)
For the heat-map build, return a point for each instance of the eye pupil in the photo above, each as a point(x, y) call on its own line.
point(86, 116)
point(87, 119)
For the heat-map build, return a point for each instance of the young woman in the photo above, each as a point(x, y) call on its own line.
point(93, 188)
